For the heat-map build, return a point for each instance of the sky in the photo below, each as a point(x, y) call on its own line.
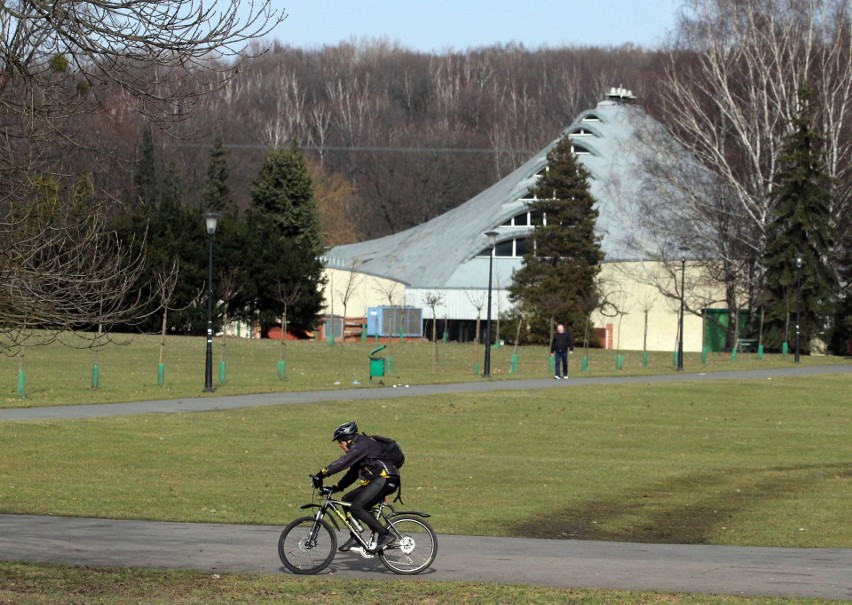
point(440, 25)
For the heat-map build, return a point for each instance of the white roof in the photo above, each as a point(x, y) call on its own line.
point(436, 254)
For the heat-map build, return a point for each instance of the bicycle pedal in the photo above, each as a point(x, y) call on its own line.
point(364, 553)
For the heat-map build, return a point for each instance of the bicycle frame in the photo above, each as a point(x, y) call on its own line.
point(338, 508)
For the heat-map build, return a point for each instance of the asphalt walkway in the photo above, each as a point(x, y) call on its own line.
point(219, 548)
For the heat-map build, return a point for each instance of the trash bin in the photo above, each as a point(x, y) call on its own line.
point(377, 364)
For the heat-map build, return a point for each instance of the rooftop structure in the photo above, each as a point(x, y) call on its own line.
point(446, 252)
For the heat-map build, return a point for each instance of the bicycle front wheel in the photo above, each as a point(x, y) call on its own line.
point(307, 546)
point(414, 549)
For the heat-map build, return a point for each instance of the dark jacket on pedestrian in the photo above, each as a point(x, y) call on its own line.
point(561, 343)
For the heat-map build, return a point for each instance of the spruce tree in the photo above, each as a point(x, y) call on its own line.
point(217, 196)
point(146, 178)
point(565, 255)
point(285, 247)
point(801, 225)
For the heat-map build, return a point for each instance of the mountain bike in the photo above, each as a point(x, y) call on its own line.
point(308, 544)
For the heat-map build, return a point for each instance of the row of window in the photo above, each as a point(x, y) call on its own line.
point(516, 248)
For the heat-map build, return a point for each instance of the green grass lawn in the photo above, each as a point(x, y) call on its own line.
point(128, 369)
point(740, 462)
point(46, 585)
point(751, 462)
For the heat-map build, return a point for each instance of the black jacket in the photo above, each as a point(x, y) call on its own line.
point(363, 462)
point(561, 342)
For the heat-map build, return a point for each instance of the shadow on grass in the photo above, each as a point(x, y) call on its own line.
point(684, 511)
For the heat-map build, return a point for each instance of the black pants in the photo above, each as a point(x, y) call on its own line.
point(561, 361)
point(366, 497)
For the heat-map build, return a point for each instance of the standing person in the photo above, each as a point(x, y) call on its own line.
point(362, 456)
point(560, 348)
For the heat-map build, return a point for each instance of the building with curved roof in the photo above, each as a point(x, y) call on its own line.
point(448, 256)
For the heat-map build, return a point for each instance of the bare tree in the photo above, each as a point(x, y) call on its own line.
point(62, 64)
point(63, 271)
point(164, 285)
point(348, 289)
point(286, 298)
point(477, 300)
point(433, 300)
point(728, 97)
point(231, 281)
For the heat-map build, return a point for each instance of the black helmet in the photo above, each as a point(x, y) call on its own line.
point(345, 431)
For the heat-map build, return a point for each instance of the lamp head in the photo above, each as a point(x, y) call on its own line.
point(798, 261)
point(211, 218)
point(491, 237)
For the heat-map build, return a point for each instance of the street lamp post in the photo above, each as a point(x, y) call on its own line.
point(680, 320)
point(491, 236)
point(798, 300)
point(211, 218)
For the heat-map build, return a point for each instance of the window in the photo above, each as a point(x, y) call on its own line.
point(591, 118)
point(580, 149)
point(519, 220)
point(510, 248)
point(582, 132)
point(505, 248)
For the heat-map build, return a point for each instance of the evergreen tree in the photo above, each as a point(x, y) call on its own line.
point(282, 244)
point(217, 196)
point(800, 225)
point(565, 255)
point(283, 192)
point(146, 179)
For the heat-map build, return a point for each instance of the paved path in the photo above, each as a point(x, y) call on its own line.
point(207, 403)
point(215, 548)
point(783, 572)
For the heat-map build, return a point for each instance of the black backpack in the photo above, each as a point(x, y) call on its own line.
point(392, 452)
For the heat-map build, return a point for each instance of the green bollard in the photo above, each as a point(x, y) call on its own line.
point(22, 384)
point(375, 338)
point(704, 352)
point(760, 351)
point(389, 365)
point(445, 337)
point(282, 370)
point(674, 359)
point(476, 368)
point(551, 364)
point(161, 375)
point(223, 371)
point(96, 377)
point(514, 367)
point(785, 348)
point(619, 362)
point(644, 359)
point(734, 354)
point(584, 364)
point(363, 332)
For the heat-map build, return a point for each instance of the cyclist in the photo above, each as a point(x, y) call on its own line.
point(378, 479)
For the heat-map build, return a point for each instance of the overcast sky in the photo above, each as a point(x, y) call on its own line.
point(438, 25)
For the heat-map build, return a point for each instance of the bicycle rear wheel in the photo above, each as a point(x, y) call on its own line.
point(414, 549)
point(301, 551)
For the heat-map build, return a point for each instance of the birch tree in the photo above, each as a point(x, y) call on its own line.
point(728, 97)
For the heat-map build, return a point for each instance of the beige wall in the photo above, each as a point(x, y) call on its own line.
point(360, 291)
point(632, 288)
point(634, 291)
